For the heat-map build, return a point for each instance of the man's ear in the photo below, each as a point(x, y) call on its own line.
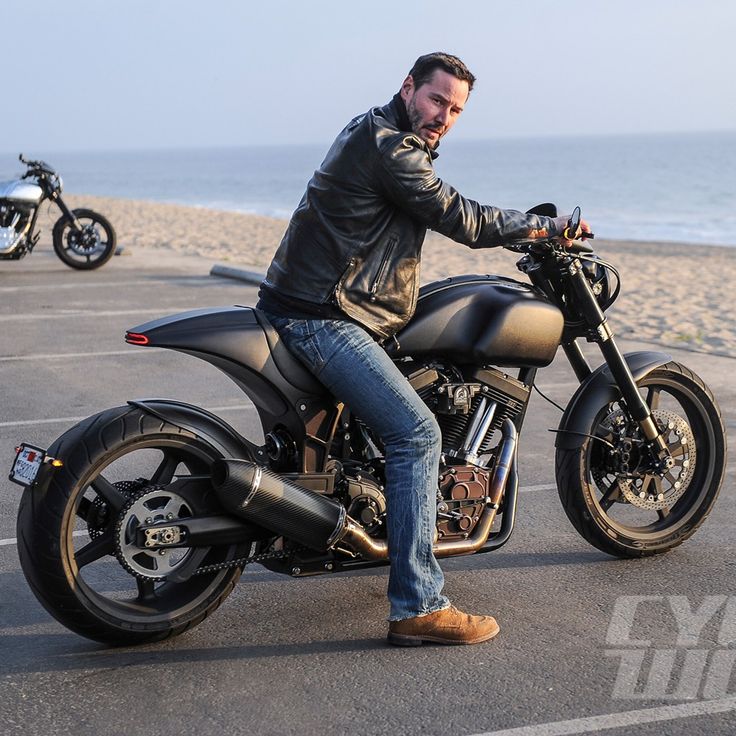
point(407, 88)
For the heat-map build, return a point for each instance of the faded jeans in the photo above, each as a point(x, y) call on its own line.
point(358, 372)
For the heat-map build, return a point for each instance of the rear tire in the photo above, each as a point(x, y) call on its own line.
point(605, 506)
point(67, 534)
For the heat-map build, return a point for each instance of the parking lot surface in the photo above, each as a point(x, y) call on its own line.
point(309, 656)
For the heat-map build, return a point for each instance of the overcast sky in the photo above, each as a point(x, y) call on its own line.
point(121, 74)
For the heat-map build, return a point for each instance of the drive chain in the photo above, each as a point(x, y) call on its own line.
point(217, 566)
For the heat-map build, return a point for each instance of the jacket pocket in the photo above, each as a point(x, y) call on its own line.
point(382, 267)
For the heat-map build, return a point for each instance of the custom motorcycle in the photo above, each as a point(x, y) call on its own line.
point(82, 238)
point(136, 524)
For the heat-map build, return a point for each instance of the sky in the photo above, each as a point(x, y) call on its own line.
point(92, 75)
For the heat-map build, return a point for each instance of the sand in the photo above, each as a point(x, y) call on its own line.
point(672, 294)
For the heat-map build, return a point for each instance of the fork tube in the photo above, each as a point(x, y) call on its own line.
point(579, 364)
point(67, 212)
point(637, 407)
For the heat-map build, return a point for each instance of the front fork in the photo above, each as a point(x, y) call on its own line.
point(56, 196)
point(637, 408)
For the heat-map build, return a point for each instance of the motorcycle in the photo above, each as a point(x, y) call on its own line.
point(82, 238)
point(136, 524)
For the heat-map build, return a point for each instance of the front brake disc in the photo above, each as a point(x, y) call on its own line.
point(654, 491)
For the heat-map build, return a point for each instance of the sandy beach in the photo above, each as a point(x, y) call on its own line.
point(672, 294)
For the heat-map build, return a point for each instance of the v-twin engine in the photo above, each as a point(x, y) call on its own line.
point(13, 227)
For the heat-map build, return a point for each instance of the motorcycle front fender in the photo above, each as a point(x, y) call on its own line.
point(204, 424)
point(597, 390)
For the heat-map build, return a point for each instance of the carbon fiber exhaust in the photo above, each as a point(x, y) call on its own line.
point(275, 503)
point(254, 493)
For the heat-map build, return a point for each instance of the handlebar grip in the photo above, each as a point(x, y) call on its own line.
point(583, 235)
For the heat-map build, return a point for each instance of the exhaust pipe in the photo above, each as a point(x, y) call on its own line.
point(275, 503)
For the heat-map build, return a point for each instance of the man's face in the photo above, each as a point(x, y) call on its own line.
point(434, 107)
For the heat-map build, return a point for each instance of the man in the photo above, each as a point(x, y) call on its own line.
point(347, 274)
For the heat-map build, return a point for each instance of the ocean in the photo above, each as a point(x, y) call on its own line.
point(678, 187)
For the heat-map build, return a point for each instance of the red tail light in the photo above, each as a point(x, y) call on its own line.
point(135, 338)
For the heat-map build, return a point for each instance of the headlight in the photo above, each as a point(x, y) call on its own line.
point(599, 281)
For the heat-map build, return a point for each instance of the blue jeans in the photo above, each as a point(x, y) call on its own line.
point(358, 372)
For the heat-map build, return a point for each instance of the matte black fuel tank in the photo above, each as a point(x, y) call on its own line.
point(483, 318)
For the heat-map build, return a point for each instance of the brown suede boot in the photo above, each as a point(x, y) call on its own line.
point(448, 626)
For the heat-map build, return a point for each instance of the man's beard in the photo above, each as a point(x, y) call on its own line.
point(415, 119)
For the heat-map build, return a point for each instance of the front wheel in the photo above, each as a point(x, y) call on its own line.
point(614, 496)
point(90, 246)
point(76, 540)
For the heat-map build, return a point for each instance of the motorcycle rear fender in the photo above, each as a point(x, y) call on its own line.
point(244, 345)
point(597, 390)
point(204, 424)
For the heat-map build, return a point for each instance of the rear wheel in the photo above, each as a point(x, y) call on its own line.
point(613, 495)
point(77, 545)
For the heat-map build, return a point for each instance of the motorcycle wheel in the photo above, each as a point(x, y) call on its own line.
point(91, 248)
point(646, 514)
point(75, 541)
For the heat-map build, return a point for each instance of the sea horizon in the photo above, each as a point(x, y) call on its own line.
point(666, 187)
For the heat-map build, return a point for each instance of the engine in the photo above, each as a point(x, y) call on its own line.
point(14, 223)
point(470, 414)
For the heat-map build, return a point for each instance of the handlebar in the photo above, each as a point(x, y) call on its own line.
point(577, 244)
point(32, 165)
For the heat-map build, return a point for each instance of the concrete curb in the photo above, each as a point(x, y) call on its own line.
point(241, 274)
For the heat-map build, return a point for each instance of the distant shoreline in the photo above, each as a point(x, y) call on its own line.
point(285, 219)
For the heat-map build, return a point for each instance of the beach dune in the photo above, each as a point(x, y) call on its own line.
point(673, 294)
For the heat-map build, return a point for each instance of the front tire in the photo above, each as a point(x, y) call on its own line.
point(89, 248)
point(69, 536)
point(624, 510)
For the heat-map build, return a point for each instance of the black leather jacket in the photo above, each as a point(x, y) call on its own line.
point(355, 239)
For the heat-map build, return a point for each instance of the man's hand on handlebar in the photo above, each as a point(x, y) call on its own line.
point(566, 237)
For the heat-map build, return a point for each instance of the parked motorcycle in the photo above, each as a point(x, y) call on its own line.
point(136, 524)
point(82, 238)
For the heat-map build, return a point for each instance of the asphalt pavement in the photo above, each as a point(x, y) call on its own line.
point(308, 656)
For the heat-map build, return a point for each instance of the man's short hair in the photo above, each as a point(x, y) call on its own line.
point(424, 67)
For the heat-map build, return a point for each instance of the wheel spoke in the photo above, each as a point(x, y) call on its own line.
point(164, 473)
point(146, 589)
point(663, 513)
point(96, 549)
point(610, 496)
point(653, 396)
point(112, 496)
point(646, 482)
point(83, 509)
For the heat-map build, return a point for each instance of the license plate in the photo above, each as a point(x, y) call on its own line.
point(27, 462)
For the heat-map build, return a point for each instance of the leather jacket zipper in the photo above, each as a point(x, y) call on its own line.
point(381, 270)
